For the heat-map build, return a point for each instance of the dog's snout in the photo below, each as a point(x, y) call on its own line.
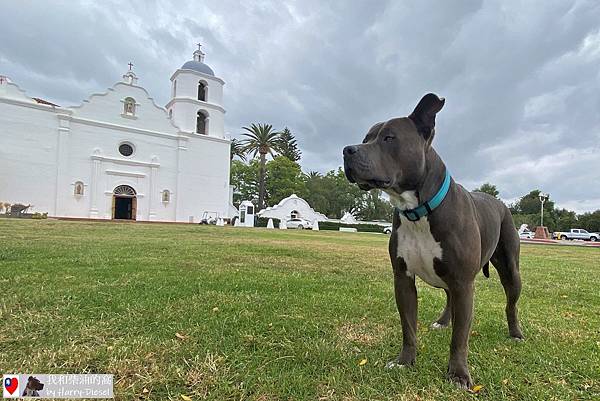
point(350, 150)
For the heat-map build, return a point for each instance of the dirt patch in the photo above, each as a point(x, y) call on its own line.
point(362, 332)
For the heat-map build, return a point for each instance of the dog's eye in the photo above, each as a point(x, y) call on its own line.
point(388, 138)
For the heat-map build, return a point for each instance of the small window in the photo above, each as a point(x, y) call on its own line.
point(129, 106)
point(250, 210)
point(78, 190)
point(126, 149)
point(202, 89)
point(170, 113)
point(166, 196)
point(174, 88)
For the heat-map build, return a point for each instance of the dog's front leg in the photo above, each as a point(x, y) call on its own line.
point(406, 302)
point(462, 314)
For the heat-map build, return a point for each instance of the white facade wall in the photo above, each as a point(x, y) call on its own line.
point(283, 210)
point(205, 178)
point(28, 152)
point(45, 150)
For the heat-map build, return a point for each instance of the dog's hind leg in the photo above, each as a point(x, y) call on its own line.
point(506, 261)
point(444, 320)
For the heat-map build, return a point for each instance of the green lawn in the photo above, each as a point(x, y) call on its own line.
point(277, 315)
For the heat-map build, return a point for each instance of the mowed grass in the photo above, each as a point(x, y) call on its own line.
point(234, 314)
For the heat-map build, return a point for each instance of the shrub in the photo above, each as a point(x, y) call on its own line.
point(263, 221)
point(335, 226)
point(328, 225)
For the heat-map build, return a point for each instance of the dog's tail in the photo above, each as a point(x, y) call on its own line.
point(486, 270)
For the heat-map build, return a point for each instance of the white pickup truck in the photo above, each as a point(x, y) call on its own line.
point(576, 233)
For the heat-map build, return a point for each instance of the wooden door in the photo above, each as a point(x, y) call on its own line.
point(134, 208)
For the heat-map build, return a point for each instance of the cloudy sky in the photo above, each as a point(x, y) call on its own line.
point(521, 78)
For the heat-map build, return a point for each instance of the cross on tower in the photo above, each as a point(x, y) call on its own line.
point(130, 65)
point(2, 79)
point(199, 46)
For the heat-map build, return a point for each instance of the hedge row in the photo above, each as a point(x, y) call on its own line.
point(262, 222)
point(328, 225)
point(335, 226)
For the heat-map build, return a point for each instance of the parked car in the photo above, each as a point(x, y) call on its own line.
point(298, 223)
point(525, 234)
point(387, 229)
point(576, 233)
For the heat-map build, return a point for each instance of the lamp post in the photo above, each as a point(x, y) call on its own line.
point(543, 198)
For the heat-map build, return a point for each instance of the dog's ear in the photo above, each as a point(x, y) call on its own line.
point(424, 115)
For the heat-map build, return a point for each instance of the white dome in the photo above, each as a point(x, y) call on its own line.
point(198, 66)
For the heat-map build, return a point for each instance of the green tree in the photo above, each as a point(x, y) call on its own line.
point(532, 220)
point(565, 219)
point(287, 146)
point(527, 210)
point(530, 204)
point(489, 189)
point(332, 194)
point(237, 150)
point(261, 140)
point(317, 195)
point(590, 221)
point(284, 177)
point(244, 178)
point(373, 207)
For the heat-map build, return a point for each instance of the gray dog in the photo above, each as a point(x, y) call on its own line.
point(441, 232)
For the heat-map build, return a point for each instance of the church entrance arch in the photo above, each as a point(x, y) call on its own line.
point(124, 203)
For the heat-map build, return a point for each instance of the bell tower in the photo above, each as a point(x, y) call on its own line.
point(196, 104)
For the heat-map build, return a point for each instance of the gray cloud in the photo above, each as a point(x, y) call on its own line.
point(521, 79)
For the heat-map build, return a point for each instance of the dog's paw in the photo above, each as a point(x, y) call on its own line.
point(397, 365)
point(515, 334)
point(404, 360)
point(518, 339)
point(438, 326)
point(462, 379)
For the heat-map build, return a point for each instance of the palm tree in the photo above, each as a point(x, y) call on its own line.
point(237, 149)
point(261, 140)
point(313, 175)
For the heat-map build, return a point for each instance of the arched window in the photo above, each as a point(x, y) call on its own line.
point(124, 190)
point(166, 196)
point(202, 89)
point(174, 88)
point(78, 189)
point(171, 113)
point(129, 106)
point(202, 123)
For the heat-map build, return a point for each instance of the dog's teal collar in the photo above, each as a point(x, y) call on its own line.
point(427, 207)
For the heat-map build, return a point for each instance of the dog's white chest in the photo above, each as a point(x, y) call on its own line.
point(418, 248)
point(416, 244)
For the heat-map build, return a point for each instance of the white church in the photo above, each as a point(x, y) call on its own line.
point(118, 155)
